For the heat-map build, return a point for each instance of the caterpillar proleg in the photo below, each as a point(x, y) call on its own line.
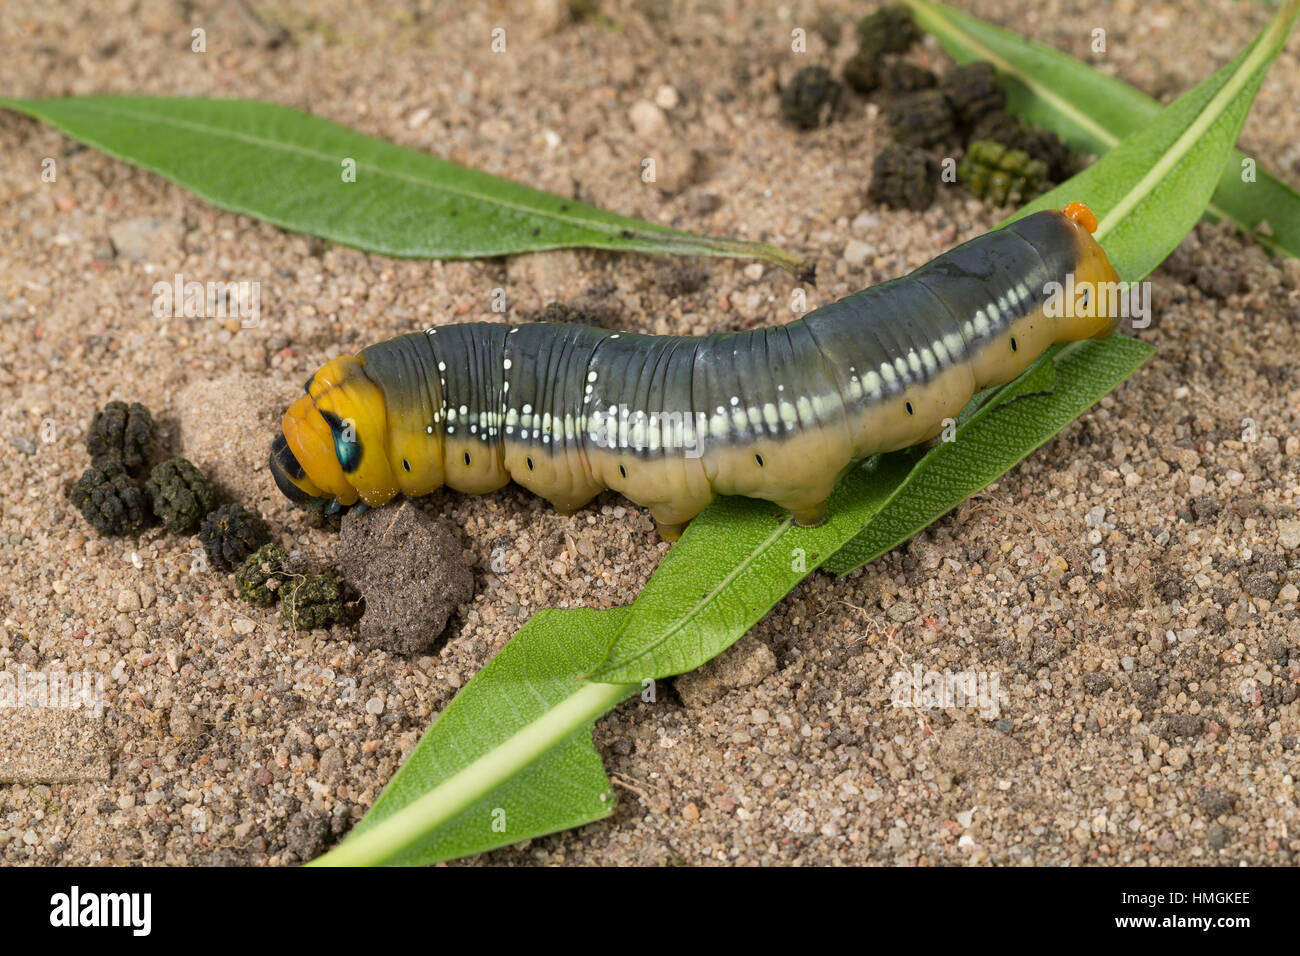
point(670, 422)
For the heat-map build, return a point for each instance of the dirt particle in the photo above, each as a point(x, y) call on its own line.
point(408, 567)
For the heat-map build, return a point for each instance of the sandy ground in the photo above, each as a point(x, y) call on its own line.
point(1150, 712)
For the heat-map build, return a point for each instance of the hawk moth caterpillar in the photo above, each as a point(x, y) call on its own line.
point(670, 422)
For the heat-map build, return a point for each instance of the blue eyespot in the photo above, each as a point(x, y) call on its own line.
point(346, 448)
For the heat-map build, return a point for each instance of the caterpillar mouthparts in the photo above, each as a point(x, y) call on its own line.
point(670, 422)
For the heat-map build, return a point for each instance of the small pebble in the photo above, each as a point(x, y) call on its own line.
point(858, 252)
point(647, 119)
point(666, 97)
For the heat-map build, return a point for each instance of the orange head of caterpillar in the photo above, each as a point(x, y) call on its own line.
point(333, 447)
point(1088, 305)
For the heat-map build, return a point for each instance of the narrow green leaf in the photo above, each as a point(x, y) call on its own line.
point(510, 758)
point(1094, 112)
point(290, 169)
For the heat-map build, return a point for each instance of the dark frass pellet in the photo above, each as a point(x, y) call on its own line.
point(999, 175)
point(108, 498)
point(890, 29)
point(921, 119)
point(903, 177)
point(180, 494)
point(124, 431)
point(1000, 127)
point(809, 100)
point(1013, 133)
point(973, 91)
point(862, 72)
point(312, 601)
point(903, 77)
point(262, 575)
point(1050, 149)
point(231, 534)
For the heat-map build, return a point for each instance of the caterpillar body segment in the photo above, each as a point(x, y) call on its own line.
point(670, 422)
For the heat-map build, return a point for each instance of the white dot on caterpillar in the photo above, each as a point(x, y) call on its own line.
point(505, 387)
point(735, 400)
point(506, 364)
point(464, 410)
point(428, 429)
point(528, 409)
point(591, 376)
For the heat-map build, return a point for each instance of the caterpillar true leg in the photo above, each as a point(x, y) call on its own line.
point(671, 422)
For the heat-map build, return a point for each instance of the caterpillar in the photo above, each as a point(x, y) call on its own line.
point(670, 422)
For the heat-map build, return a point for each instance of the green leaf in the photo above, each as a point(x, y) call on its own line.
point(1093, 112)
point(287, 168)
point(510, 758)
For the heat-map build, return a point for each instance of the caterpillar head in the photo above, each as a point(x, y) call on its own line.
point(335, 443)
point(368, 428)
point(1093, 306)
